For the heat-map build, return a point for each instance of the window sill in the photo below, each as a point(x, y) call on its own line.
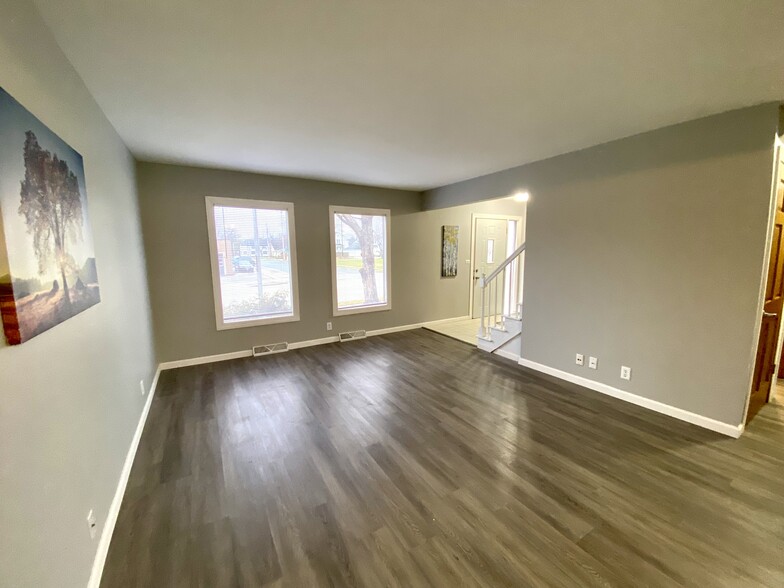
point(361, 309)
point(241, 324)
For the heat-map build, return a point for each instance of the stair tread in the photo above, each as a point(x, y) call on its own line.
point(491, 345)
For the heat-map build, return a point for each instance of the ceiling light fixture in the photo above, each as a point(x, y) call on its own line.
point(521, 197)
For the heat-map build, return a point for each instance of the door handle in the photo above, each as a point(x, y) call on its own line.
point(769, 314)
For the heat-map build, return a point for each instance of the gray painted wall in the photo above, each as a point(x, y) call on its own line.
point(175, 235)
point(70, 397)
point(648, 252)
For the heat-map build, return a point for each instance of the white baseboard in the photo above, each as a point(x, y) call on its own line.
point(678, 413)
point(507, 354)
point(394, 329)
point(417, 325)
point(312, 342)
point(114, 507)
point(168, 365)
point(447, 321)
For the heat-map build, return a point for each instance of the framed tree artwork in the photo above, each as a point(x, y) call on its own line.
point(449, 235)
point(47, 262)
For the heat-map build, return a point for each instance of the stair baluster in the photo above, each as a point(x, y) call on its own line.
point(507, 276)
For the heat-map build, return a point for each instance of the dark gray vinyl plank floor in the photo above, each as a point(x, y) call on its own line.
point(412, 459)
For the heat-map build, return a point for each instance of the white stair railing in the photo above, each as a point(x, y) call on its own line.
point(501, 294)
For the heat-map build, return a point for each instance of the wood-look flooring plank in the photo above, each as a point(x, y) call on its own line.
point(412, 459)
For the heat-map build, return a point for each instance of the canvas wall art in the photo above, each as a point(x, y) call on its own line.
point(47, 262)
point(449, 251)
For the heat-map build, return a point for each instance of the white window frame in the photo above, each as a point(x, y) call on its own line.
point(221, 324)
point(333, 210)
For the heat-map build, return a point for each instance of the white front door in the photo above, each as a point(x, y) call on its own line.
point(490, 246)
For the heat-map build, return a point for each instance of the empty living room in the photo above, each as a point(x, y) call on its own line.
point(368, 293)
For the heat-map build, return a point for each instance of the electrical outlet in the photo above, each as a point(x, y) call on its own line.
point(91, 525)
point(141, 385)
point(626, 373)
point(579, 359)
point(593, 363)
point(329, 326)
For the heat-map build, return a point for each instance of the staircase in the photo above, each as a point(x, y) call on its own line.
point(501, 292)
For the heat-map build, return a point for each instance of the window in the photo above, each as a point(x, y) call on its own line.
point(360, 259)
point(254, 262)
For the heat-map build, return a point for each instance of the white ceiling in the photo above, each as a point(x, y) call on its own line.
point(410, 93)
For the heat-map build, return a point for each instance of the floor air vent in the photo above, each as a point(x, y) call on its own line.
point(271, 348)
point(351, 335)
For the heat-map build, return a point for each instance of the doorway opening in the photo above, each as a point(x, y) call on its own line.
point(769, 357)
point(501, 225)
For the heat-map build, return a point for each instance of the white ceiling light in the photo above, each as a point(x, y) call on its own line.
point(521, 197)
